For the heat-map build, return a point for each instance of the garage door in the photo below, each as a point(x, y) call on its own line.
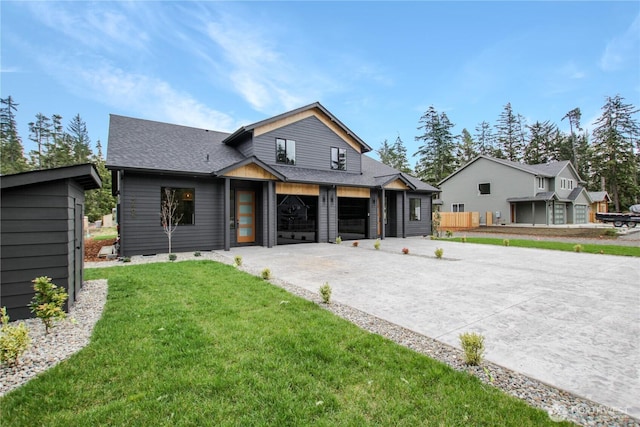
point(581, 214)
point(559, 213)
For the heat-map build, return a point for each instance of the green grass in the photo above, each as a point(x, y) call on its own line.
point(557, 246)
point(104, 233)
point(200, 343)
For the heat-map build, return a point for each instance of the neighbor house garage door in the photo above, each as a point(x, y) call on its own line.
point(558, 213)
point(581, 214)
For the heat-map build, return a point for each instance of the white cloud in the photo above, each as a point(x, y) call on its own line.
point(622, 49)
point(150, 96)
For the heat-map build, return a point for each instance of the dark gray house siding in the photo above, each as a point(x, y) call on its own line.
point(422, 227)
point(41, 232)
point(313, 145)
point(139, 215)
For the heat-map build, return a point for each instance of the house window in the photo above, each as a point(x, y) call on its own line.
point(484, 188)
point(338, 158)
point(570, 184)
point(185, 199)
point(414, 209)
point(285, 151)
point(540, 183)
point(457, 207)
point(563, 183)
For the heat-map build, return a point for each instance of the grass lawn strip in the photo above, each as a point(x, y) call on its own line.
point(553, 245)
point(201, 343)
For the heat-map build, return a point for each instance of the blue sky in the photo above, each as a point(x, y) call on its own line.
point(376, 65)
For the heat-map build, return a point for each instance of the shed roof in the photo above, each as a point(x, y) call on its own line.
point(599, 196)
point(86, 175)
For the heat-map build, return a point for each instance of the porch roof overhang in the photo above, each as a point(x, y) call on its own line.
point(250, 161)
point(385, 180)
point(539, 197)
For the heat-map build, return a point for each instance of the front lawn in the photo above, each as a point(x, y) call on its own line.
point(200, 343)
point(558, 246)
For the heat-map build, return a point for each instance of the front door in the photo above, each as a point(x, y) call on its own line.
point(246, 208)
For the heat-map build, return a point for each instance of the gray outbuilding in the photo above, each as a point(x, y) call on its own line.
point(42, 232)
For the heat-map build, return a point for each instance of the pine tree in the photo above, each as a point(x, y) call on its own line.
point(510, 135)
point(12, 158)
point(615, 138)
point(437, 159)
point(467, 149)
point(58, 148)
point(80, 141)
point(40, 133)
point(395, 155)
point(540, 146)
point(485, 139)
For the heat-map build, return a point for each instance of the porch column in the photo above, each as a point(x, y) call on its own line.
point(533, 213)
point(272, 222)
point(405, 217)
point(227, 214)
point(384, 209)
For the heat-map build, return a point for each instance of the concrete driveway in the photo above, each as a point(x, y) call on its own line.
point(571, 320)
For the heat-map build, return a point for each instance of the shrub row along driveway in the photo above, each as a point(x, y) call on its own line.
point(571, 320)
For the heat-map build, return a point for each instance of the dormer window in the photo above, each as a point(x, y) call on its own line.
point(338, 158)
point(285, 151)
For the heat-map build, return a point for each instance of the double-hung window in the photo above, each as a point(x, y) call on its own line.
point(457, 207)
point(338, 158)
point(285, 151)
point(540, 183)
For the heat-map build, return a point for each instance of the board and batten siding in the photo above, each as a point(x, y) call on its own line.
point(313, 145)
point(140, 201)
point(39, 235)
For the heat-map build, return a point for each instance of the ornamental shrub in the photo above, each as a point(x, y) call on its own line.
point(578, 248)
point(505, 242)
point(376, 244)
point(197, 254)
point(14, 339)
point(405, 251)
point(439, 252)
point(48, 301)
point(237, 260)
point(473, 346)
point(266, 274)
point(173, 257)
point(338, 240)
point(325, 292)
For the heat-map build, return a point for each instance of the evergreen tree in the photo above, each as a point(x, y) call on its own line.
point(614, 140)
point(99, 202)
point(58, 148)
point(509, 134)
point(40, 133)
point(485, 139)
point(540, 146)
point(395, 155)
point(575, 147)
point(11, 150)
point(437, 159)
point(467, 150)
point(80, 141)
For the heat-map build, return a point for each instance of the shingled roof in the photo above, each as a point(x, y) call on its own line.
point(146, 145)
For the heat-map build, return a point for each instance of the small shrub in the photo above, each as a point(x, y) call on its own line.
point(405, 251)
point(432, 237)
point(237, 260)
point(473, 346)
point(463, 239)
point(355, 244)
point(173, 257)
point(439, 252)
point(505, 242)
point(611, 232)
point(338, 240)
point(578, 248)
point(48, 301)
point(266, 274)
point(325, 292)
point(197, 253)
point(448, 233)
point(376, 244)
point(126, 259)
point(14, 339)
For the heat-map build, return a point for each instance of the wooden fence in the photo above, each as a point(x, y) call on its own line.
point(458, 220)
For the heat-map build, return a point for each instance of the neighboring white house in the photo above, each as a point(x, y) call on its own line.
point(517, 193)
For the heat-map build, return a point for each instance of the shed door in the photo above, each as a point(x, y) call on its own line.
point(246, 209)
point(78, 247)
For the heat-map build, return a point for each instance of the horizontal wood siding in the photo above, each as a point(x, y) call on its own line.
point(141, 231)
point(357, 192)
point(313, 145)
point(422, 227)
point(297, 189)
point(36, 225)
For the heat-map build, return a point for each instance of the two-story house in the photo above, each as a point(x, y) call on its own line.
point(302, 176)
point(517, 193)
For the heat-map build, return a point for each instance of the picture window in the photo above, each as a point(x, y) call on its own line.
point(186, 204)
point(484, 188)
point(285, 151)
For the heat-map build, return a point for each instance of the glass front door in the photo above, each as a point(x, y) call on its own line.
point(246, 211)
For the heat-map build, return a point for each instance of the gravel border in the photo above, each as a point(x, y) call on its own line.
point(70, 336)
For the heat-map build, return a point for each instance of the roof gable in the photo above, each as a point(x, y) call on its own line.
point(312, 110)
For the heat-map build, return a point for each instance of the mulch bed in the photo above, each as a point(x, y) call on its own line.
point(92, 248)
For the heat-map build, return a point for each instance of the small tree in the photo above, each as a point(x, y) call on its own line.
point(169, 214)
point(48, 301)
